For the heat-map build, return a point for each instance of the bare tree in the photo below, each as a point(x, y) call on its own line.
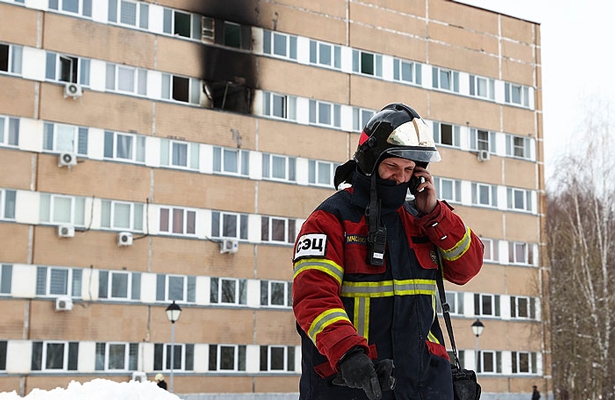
point(580, 233)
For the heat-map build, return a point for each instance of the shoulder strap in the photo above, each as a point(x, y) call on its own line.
point(446, 309)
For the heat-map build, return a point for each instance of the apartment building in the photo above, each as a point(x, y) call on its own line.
point(169, 150)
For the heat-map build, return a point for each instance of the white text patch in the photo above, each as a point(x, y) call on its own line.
point(311, 245)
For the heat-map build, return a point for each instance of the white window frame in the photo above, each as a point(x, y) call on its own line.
point(316, 165)
point(317, 113)
point(52, 204)
point(524, 95)
point(491, 194)
point(398, 64)
point(514, 301)
point(511, 147)
point(108, 358)
point(193, 18)
point(455, 309)
point(58, 68)
point(494, 354)
point(235, 357)
point(456, 184)
point(269, 358)
point(317, 54)
point(168, 78)
point(518, 362)
point(75, 130)
point(80, 12)
point(44, 356)
point(453, 77)
point(289, 106)
point(242, 155)
point(287, 162)
point(237, 291)
point(11, 69)
point(222, 214)
point(492, 245)
point(512, 199)
point(131, 217)
point(273, 35)
point(137, 75)
point(287, 288)
point(527, 248)
point(185, 211)
point(358, 118)
point(69, 283)
point(496, 313)
point(377, 62)
point(5, 120)
point(136, 139)
point(475, 81)
point(182, 354)
point(128, 297)
point(287, 239)
point(455, 134)
point(167, 298)
point(189, 160)
point(140, 7)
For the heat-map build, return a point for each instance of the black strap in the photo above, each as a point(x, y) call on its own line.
point(446, 308)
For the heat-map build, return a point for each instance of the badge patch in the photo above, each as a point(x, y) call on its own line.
point(356, 239)
point(432, 254)
point(311, 245)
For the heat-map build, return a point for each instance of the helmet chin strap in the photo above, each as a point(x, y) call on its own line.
point(377, 232)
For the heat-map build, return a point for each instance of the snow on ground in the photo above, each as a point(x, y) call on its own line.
point(98, 389)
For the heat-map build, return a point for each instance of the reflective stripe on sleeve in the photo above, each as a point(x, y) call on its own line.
point(458, 249)
point(389, 288)
point(325, 319)
point(361, 316)
point(320, 264)
point(432, 338)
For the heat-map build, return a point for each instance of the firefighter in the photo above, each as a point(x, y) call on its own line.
point(365, 264)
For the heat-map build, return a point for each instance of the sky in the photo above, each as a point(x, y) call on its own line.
point(577, 60)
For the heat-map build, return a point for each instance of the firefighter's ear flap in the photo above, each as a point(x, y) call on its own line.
point(344, 173)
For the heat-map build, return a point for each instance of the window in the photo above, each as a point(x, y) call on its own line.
point(276, 294)
point(175, 287)
point(129, 13)
point(231, 161)
point(3, 344)
point(182, 24)
point(280, 106)
point(321, 172)
point(486, 305)
point(9, 131)
point(81, 7)
point(446, 134)
point(229, 225)
point(10, 58)
point(277, 358)
point(126, 79)
point(183, 357)
point(6, 275)
point(7, 204)
point(52, 281)
point(489, 362)
point(326, 55)
point(178, 221)
point(119, 285)
point(278, 230)
point(455, 302)
point(448, 189)
point(117, 356)
point(517, 146)
point(461, 354)
point(279, 167)
point(445, 79)
point(517, 94)
point(482, 140)
point(57, 209)
point(228, 291)
point(65, 68)
point(407, 71)
point(179, 88)
point(227, 357)
point(520, 253)
point(55, 356)
point(274, 43)
point(360, 118)
point(327, 114)
point(484, 195)
point(491, 250)
point(522, 307)
point(65, 138)
point(519, 199)
point(482, 87)
point(119, 215)
point(524, 363)
point(367, 63)
point(179, 154)
point(124, 147)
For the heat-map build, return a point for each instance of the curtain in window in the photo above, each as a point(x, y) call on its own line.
point(124, 147)
point(178, 220)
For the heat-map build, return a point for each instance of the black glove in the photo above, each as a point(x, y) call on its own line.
point(384, 370)
point(357, 371)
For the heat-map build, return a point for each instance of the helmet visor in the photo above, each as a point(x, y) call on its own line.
point(413, 141)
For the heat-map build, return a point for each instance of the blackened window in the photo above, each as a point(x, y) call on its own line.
point(4, 57)
point(3, 355)
point(182, 24)
point(232, 35)
point(181, 88)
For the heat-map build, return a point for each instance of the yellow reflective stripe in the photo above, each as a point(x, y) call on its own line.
point(458, 249)
point(366, 316)
point(325, 319)
point(320, 264)
point(389, 288)
point(432, 338)
point(361, 316)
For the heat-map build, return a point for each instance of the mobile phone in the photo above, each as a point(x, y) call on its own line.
point(415, 182)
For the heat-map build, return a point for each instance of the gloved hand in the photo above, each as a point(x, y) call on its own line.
point(384, 370)
point(357, 371)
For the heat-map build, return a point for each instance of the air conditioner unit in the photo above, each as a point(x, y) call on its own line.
point(66, 231)
point(138, 376)
point(229, 246)
point(124, 239)
point(208, 29)
point(72, 90)
point(67, 160)
point(64, 303)
point(483, 155)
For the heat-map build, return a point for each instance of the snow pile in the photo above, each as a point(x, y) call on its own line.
point(98, 389)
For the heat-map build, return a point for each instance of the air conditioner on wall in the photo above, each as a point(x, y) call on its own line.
point(207, 25)
point(229, 246)
point(72, 90)
point(66, 231)
point(483, 155)
point(67, 160)
point(64, 303)
point(138, 376)
point(124, 239)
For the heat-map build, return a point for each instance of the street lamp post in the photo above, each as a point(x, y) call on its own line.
point(477, 328)
point(173, 312)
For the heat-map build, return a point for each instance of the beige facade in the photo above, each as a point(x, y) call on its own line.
point(199, 125)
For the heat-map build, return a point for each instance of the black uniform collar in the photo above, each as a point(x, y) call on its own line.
point(391, 195)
